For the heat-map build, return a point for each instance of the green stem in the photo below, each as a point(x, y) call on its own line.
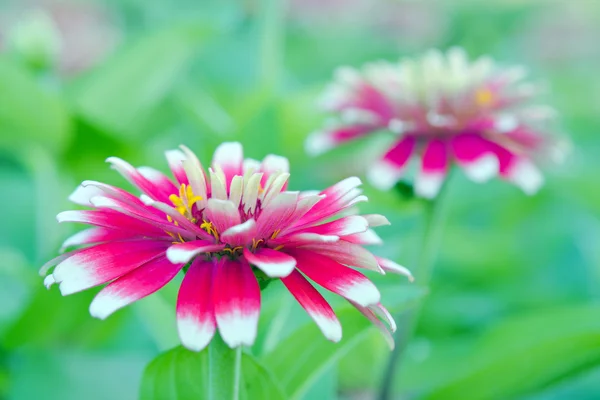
point(432, 232)
point(224, 370)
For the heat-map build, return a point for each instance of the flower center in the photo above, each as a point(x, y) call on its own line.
point(484, 97)
point(185, 201)
point(209, 228)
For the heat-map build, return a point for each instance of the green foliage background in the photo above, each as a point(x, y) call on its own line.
point(513, 308)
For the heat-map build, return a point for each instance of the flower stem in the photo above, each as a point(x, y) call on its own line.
point(432, 232)
point(224, 369)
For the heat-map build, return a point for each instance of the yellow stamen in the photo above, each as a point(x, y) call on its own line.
point(484, 97)
point(274, 235)
point(185, 201)
point(209, 228)
point(278, 247)
point(255, 243)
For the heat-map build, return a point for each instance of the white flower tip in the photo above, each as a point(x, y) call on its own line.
point(318, 143)
point(193, 336)
point(482, 169)
point(526, 176)
point(363, 293)
point(179, 256)
point(427, 185)
point(383, 176)
point(147, 200)
point(49, 281)
point(103, 307)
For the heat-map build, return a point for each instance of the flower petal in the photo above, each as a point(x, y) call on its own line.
point(240, 235)
point(346, 253)
point(371, 316)
point(340, 227)
point(434, 166)
point(223, 214)
point(273, 263)
point(195, 311)
point(389, 265)
point(136, 178)
point(229, 157)
point(390, 168)
point(336, 277)
point(184, 252)
point(315, 305)
point(175, 158)
point(273, 164)
point(97, 235)
point(321, 141)
point(475, 155)
point(137, 284)
point(236, 298)
point(104, 262)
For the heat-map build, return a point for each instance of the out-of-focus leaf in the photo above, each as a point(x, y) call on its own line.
point(528, 353)
point(180, 374)
point(29, 113)
point(300, 359)
point(125, 90)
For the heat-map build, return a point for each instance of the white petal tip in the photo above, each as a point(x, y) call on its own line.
point(49, 281)
point(482, 169)
point(428, 185)
point(318, 143)
point(383, 176)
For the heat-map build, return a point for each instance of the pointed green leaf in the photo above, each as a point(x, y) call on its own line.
point(180, 374)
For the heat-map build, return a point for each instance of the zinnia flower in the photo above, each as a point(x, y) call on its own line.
point(231, 230)
point(443, 110)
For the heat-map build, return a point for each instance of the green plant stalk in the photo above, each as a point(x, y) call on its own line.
point(432, 232)
point(224, 370)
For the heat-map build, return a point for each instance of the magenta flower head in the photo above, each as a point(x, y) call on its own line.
point(232, 230)
point(443, 110)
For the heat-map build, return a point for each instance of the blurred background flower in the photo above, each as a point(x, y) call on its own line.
point(513, 309)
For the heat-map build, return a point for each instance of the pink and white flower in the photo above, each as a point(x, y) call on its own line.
point(230, 228)
point(443, 110)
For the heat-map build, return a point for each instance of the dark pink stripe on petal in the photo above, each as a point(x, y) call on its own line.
point(223, 214)
point(434, 166)
point(273, 263)
point(315, 305)
point(110, 219)
point(136, 178)
point(175, 159)
point(236, 298)
point(98, 235)
point(336, 277)
point(390, 168)
point(195, 311)
point(104, 262)
point(476, 156)
point(133, 286)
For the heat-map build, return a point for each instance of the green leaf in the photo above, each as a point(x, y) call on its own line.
point(30, 113)
point(122, 94)
point(180, 374)
point(303, 357)
point(528, 353)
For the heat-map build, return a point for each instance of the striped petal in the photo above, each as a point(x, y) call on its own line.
point(240, 235)
point(97, 235)
point(346, 253)
point(223, 214)
point(195, 311)
point(273, 263)
point(434, 166)
point(184, 252)
point(175, 158)
point(104, 262)
point(236, 299)
point(390, 168)
point(315, 305)
point(135, 285)
point(337, 278)
point(229, 157)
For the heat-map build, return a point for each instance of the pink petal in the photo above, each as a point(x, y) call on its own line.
point(368, 237)
point(136, 178)
point(273, 164)
point(315, 305)
point(391, 167)
point(434, 166)
point(97, 235)
point(236, 298)
point(223, 214)
point(476, 156)
point(390, 266)
point(137, 284)
point(336, 277)
point(518, 170)
point(277, 215)
point(346, 253)
point(196, 176)
point(195, 311)
point(175, 159)
point(240, 235)
point(159, 180)
point(340, 227)
point(321, 141)
point(273, 263)
point(184, 252)
point(229, 157)
point(371, 316)
point(104, 262)
point(112, 220)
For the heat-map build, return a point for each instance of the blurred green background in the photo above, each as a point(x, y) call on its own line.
point(513, 308)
